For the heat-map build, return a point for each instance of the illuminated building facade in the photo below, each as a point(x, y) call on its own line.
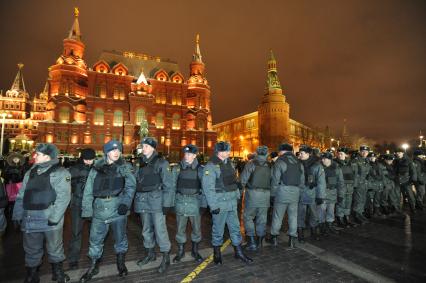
point(85, 106)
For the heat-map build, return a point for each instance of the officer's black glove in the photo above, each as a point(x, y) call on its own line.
point(339, 199)
point(311, 186)
point(50, 223)
point(272, 200)
point(216, 211)
point(122, 209)
point(203, 210)
point(319, 201)
point(16, 224)
point(166, 210)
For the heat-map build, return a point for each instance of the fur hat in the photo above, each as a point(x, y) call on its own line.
point(343, 149)
point(364, 147)
point(327, 155)
point(273, 154)
point(262, 150)
point(111, 145)
point(149, 141)
point(418, 152)
point(190, 148)
point(372, 154)
point(285, 147)
point(305, 148)
point(222, 146)
point(87, 154)
point(48, 149)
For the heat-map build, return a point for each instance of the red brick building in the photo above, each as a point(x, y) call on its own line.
point(88, 106)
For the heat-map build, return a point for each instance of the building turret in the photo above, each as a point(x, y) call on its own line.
point(273, 111)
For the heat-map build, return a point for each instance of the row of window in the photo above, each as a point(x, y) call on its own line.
point(20, 126)
point(11, 105)
point(119, 92)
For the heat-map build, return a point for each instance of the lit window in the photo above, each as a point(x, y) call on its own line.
point(140, 116)
point(64, 114)
point(99, 116)
point(118, 118)
point(159, 120)
point(176, 122)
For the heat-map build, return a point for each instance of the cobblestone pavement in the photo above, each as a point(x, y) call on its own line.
point(389, 249)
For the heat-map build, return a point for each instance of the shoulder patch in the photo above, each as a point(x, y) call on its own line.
point(68, 179)
point(206, 172)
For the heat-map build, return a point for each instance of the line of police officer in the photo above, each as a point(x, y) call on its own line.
point(104, 190)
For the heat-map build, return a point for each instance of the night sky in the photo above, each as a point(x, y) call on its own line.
point(360, 60)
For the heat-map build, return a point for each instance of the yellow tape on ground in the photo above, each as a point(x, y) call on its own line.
point(191, 276)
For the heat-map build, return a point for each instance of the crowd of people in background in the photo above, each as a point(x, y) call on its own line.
point(321, 193)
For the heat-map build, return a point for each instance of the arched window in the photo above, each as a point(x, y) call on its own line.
point(64, 114)
point(100, 91)
point(118, 118)
point(200, 124)
point(159, 120)
point(140, 116)
point(176, 122)
point(99, 116)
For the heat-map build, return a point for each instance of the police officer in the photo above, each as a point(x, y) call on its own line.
point(405, 177)
point(39, 210)
point(375, 186)
point(220, 187)
point(107, 197)
point(313, 193)
point(334, 193)
point(189, 201)
point(79, 173)
point(360, 191)
point(390, 200)
point(256, 178)
point(420, 167)
point(154, 198)
point(350, 176)
point(287, 182)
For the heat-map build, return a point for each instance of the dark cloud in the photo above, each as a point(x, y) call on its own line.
point(360, 60)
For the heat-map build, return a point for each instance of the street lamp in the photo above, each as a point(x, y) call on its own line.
point(3, 115)
point(405, 147)
point(421, 141)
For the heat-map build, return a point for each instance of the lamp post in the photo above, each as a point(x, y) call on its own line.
point(3, 115)
point(405, 146)
point(421, 141)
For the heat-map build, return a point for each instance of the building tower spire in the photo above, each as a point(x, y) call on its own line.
point(18, 84)
point(75, 29)
point(272, 81)
point(197, 55)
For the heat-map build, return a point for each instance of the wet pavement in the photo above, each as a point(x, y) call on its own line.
point(391, 249)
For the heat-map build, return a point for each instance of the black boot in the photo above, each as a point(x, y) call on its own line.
point(58, 273)
point(121, 266)
point(377, 212)
point(260, 242)
point(330, 228)
point(92, 271)
point(359, 219)
point(348, 221)
point(180, 253)
point(195, 254)
point(300, 235)
point(291, 242)
point(165, 263)
point(73, 265)
point(341, 222)
point(274, 240)
point(315, 233)
point(251, 243)
point(324, 230)
point(217, 255)
point(32, 275)
point(239, 254)
point(148, 258)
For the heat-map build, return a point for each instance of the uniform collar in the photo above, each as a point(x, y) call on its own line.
point(185, 165)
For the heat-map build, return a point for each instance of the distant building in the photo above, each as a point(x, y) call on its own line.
point(271, 124)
